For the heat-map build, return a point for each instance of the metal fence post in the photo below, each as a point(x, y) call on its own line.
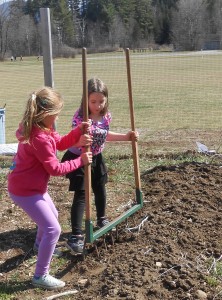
point(47, 46)
point(2, 125)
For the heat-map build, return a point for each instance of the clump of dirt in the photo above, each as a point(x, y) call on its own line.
point(173, 254)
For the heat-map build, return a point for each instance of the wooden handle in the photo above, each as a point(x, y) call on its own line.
point(87, 168)
point(134, 143)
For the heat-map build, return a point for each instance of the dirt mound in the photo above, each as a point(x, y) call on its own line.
point(174, 254)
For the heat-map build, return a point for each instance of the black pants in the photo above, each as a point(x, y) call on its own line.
point(78, 207)
point(76, 179)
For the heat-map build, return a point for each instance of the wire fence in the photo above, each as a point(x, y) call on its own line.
point(177, 95)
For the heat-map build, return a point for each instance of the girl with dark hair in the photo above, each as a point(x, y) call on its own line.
point(100, 123)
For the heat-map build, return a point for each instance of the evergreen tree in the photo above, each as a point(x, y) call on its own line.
point(62, 17)
point(126, 9)
point(144, 18)
point(102, 12)
point(162, 19)
point(62, 24)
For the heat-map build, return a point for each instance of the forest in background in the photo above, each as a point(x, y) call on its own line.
point(108, 25)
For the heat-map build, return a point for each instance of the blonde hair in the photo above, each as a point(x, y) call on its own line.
point(41, 103)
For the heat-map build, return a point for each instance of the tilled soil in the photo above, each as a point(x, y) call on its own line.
point(170, 249)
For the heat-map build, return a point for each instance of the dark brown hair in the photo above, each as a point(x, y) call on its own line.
point(96, 85)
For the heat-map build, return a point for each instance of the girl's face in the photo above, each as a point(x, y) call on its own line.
point(97, 102)
point(49, 121)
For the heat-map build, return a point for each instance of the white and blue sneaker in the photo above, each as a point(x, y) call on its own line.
point(47, 282)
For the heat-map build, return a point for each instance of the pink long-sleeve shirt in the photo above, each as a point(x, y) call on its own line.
point(36, 161)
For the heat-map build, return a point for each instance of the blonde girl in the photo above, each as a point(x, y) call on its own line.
point(33, 164)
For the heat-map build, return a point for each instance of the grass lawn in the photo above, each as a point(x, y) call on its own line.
point(172, 92)
point(169, 91)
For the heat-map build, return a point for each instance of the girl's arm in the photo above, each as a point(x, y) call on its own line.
point(44, 151)
point(86, 138)
point(117, 137)
point(66, 141)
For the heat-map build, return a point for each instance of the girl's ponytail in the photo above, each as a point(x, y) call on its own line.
point(40, 104)
point(28, 116)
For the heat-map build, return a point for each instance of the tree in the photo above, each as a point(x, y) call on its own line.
point(62, 25)
point(100, 15)
point(213, 20)
point(187, 25)
point(62, 17)
point(144, 19)
point(126, 9)
point(102, 12)
point(122, 22)
point(22, 30)
point(118, 33)
point(162, 12)
point(78, 10)
point(4, 27)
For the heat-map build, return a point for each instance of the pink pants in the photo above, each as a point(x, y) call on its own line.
point(43, 212)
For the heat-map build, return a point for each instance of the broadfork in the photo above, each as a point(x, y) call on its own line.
point(91, 237)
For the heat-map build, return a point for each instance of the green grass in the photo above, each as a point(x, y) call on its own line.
point(215, 276)
point(169, 92)
point(10, 288)
point(177, 97)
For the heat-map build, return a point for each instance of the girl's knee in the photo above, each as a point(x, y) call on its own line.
point(54, 231)
point(58, 230)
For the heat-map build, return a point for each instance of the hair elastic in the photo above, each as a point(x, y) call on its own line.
point(33, 96)
point(43, 102)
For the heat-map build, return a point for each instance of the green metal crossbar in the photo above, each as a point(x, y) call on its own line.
point(92, 236)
